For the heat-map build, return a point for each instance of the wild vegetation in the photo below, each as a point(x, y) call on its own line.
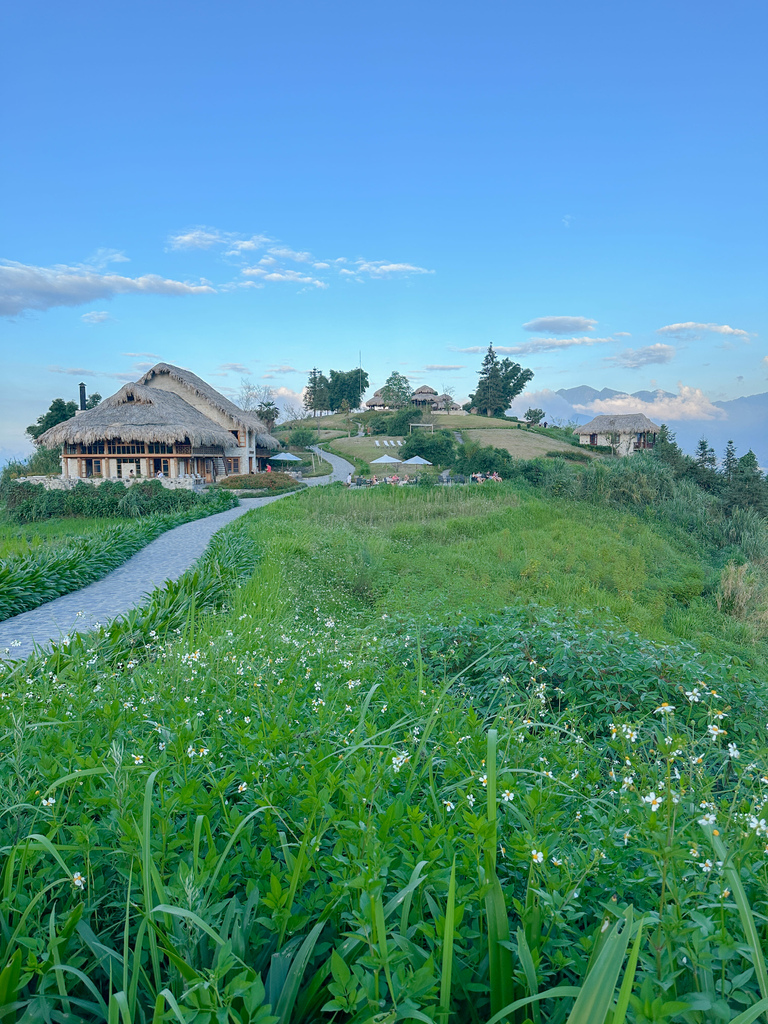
point(270, 483)
point(442, 755)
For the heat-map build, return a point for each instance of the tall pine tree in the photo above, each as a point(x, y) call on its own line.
point(499, 382)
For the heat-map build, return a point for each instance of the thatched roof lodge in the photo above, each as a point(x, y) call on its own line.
point(629, 433)
point(425, 395)
point(377, 402)
point(170, 423)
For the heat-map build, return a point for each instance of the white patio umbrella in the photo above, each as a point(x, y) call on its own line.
point(287, 457)
point(416, 460)
point(385, 459)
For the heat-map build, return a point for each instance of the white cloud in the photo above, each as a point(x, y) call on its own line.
point(142, 355)
point(567, 220)
point(549, 345)
point(622, 334)
point(688, 404)
point(291, 254)
point(380, 268)
point(691, 330)
point(200, 238)
point(103, 257)
point(25, 287)
point(321, 266)
point(634, 358)
point(560, 324)
point(436, 366)
point(96, 317)
point(293, 276)
point(75, 371)
point(285, 369)
point(234, 368)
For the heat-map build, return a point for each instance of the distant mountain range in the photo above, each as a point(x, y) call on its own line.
point(746, 422)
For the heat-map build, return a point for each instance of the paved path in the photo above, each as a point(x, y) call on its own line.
point(165, 558)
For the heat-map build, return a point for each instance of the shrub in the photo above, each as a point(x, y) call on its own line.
point(27, 503)
point(473, 458)
point(572, 456)
point(437, 448)
point(303, 436)
point(274, 481)
point(395, 423)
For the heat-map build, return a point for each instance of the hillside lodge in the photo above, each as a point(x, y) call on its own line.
point(171, 424)
point(624, 434)
point(424, 397)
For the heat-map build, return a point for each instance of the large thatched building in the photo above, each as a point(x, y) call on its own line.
point(625, 434)
point(169, 423)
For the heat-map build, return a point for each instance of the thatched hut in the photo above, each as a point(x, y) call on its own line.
point(424, 396)
point(377, 402)
point(171, 423)
point(633, 432)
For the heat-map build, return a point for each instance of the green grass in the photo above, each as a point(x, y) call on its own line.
point(21, 539)
point(301, 786)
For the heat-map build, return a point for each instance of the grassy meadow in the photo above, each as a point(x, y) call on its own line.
point(444, 754)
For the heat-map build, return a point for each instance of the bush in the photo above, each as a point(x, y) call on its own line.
point(475, 459)
point(43, 462)
point(395, 423)
point(303, 436)
point(438, 448)
point(28, 503)
point(275, 481)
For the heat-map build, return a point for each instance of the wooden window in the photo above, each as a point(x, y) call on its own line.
point(233, 465)
point(159, 448)
point(118, 447)
point(593, 438)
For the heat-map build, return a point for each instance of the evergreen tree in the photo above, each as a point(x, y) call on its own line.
point(93, 400)
point(705, 455)
point(323, 400)
point(58, 411)
point(499, 382)
point(667, 450)
point(747, 487)
point(730, 462)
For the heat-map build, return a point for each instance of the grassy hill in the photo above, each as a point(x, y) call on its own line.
point(390, 754)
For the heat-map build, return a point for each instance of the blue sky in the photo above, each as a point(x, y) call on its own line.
point(268, 187)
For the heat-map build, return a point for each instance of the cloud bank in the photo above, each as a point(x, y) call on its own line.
point(634, 358)
point(24, 287)
point(691, 330)
point(560, 324)
point(688, 404)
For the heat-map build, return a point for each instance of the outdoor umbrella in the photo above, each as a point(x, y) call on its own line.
point(416, 461)
point(287, 457)
point(386, 459)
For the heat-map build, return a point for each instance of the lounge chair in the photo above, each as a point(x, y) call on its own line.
point(377, 444)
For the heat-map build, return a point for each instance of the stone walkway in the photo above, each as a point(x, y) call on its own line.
point(165, 558)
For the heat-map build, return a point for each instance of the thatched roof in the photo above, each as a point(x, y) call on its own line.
point(377, 399)
point(424, 390)
point(200, 387)
point(632, 423)
point(139, 413)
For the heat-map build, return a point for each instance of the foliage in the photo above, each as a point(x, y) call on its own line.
point(93, 400)
point(251, 395)
point(500, 381)
point(274, 481)
point(42, 462)
point(303, 436)
point(534, 415)
point(298, 809)
point(346, 385)
point(438, 447)
point(268, 413)
point(317, 392)
point(58, 412)
point(28, 503)
point(475, 458)
point(45, 572)
point(571, 456)
point(395, 424)
point(397, 390)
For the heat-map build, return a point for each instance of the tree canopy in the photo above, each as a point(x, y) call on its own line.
point(346, 384)
point(397, 390)
point(58, 412)
point(316, 393)
point(500, 381)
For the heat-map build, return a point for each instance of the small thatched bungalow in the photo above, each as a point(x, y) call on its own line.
point(424, 396)
point(171, 423)
point(625, 434)
point(377, 402)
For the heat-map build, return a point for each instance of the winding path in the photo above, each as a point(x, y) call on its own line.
point(163, 559)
